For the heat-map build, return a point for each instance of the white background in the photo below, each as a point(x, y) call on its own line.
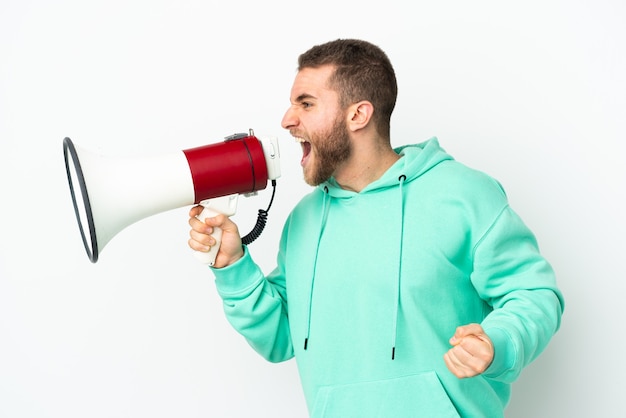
point(531, 92)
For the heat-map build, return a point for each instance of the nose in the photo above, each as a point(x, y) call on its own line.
point(289, 120)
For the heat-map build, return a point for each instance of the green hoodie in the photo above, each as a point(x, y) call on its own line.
point(370, 286)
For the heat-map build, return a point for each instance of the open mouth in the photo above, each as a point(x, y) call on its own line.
point(306, 149)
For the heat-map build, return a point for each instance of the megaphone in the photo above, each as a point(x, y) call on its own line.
point(111, 193)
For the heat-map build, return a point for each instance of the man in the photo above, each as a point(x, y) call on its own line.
point(405, 286)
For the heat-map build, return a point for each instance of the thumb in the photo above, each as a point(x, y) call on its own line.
point(465, 330)
point(217, 220)
point(224, 222)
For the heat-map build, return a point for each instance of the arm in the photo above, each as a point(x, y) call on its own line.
point(519, 284)
point(255, 306)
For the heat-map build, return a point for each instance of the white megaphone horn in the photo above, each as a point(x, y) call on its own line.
point(111, 193)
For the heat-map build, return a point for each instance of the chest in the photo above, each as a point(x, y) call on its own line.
point(362, 248)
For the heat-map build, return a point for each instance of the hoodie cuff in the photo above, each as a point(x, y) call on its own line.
point(237, 276)
point(504, 353)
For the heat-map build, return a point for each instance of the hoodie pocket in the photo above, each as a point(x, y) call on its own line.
point(414, 396)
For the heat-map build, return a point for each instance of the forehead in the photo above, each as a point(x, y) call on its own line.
point(312, 83)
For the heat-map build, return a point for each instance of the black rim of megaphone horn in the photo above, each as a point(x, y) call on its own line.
point(92, 252)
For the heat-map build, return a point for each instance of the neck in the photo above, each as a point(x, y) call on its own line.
point(368, 162)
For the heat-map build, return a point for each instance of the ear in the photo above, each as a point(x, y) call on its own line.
point(360, 115)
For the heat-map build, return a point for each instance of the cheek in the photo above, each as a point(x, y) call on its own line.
point(322, 120)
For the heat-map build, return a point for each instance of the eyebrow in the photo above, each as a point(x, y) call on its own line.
point(304, 96)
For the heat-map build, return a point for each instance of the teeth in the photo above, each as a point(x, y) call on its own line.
point(298, 139)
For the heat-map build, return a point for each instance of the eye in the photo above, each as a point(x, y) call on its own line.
point(306, 105)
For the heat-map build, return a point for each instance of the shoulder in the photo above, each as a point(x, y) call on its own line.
point(453, 176)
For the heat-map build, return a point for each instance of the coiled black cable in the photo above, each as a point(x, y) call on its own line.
point(260, 221)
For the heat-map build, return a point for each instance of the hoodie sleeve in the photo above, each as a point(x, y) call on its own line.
point(519, 284)
point(256, 307)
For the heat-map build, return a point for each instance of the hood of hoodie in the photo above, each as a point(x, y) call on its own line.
point(415, 160)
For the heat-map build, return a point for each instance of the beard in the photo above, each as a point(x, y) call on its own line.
point(332, 148)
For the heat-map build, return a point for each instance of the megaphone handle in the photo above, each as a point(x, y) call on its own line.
point(209, 257)
point(226, 205)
